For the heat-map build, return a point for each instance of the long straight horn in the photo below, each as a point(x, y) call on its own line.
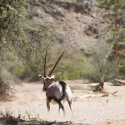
point(45, 64)
point(56, 63)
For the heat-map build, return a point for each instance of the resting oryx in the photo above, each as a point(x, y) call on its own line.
point(56, 90)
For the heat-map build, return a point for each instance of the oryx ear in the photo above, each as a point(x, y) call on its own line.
point(40, 76)
point(52, 77)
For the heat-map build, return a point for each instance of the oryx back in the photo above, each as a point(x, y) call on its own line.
point(56, 90)
point(68, 93)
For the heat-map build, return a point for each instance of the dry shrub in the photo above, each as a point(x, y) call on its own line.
point(6, 92)
point(9, 118)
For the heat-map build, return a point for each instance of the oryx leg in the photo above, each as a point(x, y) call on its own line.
point(70, 105)
point(48, 102)
point(59, 109)
point(61, 106)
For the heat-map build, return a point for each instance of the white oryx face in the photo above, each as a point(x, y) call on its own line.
point(46, 81)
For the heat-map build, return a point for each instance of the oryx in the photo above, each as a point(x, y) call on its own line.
point(56, 90)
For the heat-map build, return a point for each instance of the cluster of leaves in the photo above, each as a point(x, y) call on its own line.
point(12, 26)
point(22, 44)
point(17, 33)
point(115, 13)
point(20, 40)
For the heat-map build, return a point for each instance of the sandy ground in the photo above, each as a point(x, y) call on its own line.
point(89, 108)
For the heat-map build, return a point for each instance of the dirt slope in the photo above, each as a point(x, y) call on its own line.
point(80, 23)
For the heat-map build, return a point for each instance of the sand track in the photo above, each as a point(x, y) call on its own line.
point(110, 110)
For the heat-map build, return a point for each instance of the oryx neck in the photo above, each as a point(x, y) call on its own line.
point(48, 82)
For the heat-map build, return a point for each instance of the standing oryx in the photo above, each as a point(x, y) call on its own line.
point(56, 90)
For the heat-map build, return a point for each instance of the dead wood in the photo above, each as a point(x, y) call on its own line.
point(101, 84)
point(93, 95)
point(120, 81)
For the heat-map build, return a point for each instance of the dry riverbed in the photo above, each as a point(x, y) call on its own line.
point(90, 108)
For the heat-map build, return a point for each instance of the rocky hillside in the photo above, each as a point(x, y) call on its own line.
point(79, 22)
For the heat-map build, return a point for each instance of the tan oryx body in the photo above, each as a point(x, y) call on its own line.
point(56, 90)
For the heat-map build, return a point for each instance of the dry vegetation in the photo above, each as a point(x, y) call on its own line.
point(6, 92)
point(8, 117)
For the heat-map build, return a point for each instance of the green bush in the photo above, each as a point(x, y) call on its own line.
point(68, 75)
point(28, 72)
point(93, 72)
